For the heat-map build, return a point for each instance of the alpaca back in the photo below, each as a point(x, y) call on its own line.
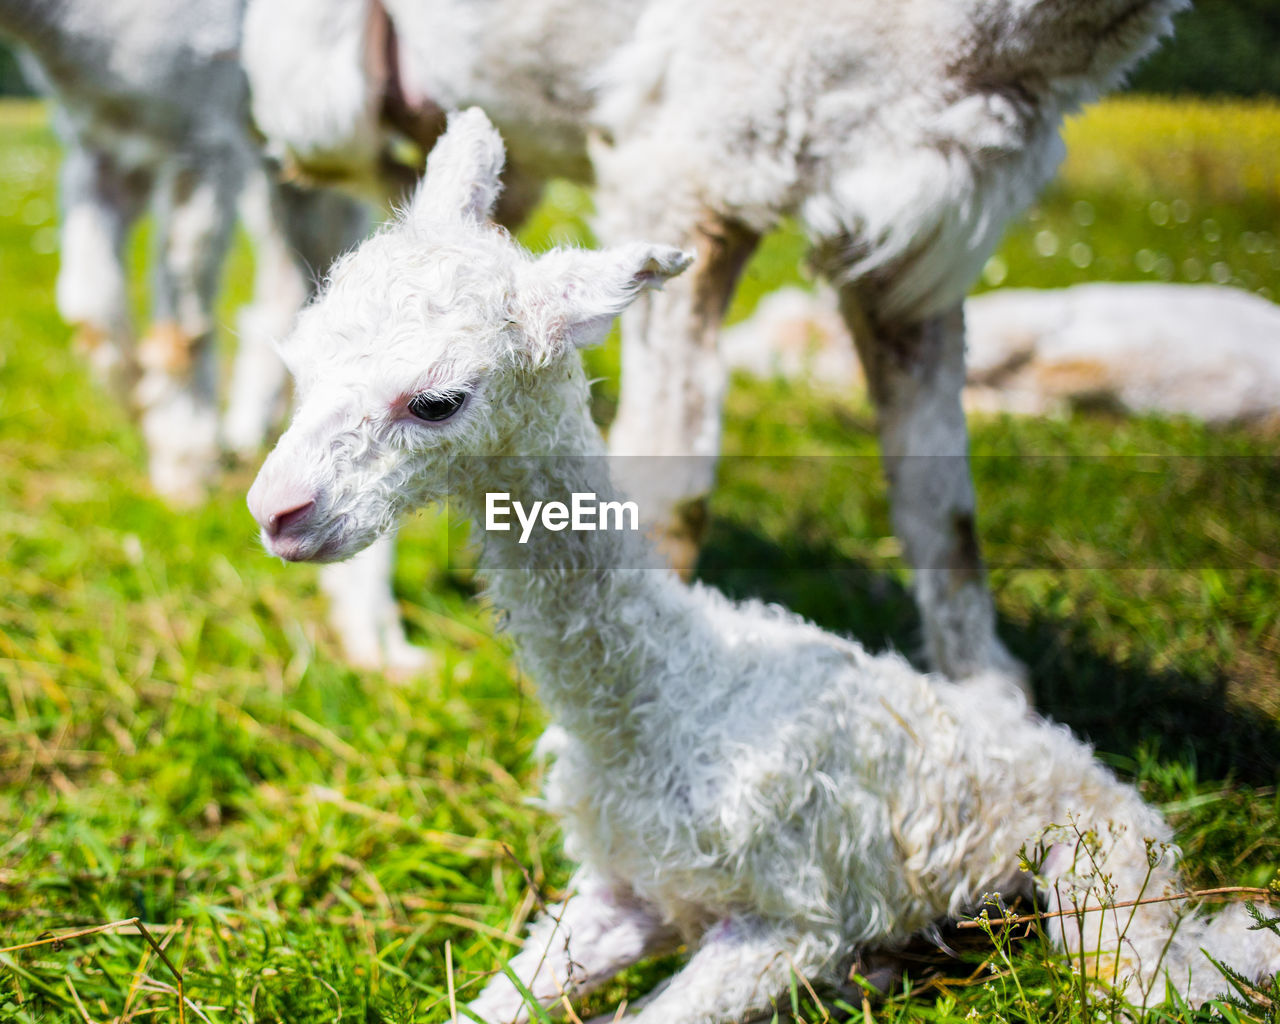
point(161, 67)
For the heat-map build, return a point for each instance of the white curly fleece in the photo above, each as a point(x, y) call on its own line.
point(729, 776)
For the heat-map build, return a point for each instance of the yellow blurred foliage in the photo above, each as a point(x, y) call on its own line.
point(1219, 151)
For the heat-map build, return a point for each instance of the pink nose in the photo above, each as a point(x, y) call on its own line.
point(280, 506)
point(279, 522)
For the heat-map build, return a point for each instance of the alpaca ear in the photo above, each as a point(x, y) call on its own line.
point(572, 296)
point(462, 179)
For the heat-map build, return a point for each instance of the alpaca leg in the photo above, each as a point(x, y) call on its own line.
point(177, 392)
point(364, 612)
point(320, 224)
point(673, 383)
point(280, 287)
point(297, 234)
point(100, 202)
point(576, 947)
point(915, 373)
point(740, 970)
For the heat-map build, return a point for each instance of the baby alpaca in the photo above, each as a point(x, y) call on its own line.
point(729, 777)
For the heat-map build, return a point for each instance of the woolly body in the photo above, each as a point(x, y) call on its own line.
point(727, 775)
point(149, 63)
point(905, 130)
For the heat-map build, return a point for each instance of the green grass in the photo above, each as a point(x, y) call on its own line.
point(180, 742)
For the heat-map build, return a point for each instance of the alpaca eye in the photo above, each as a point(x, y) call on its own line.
point(436, 408)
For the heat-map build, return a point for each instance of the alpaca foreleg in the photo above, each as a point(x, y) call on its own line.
point(915, 373)
point(575, 947)
point(255, 399)
point(100, 201)
point(177, 392)
point(741, 968)
point(673, 382)
point(364, 612)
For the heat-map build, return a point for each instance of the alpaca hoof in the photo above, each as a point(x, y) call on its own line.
point(109, 361)
point(182, 478)
point(380, 646)
point(403, 660)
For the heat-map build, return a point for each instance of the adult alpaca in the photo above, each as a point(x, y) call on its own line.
point(729, 776)
point(152, 109)
point(903, 136)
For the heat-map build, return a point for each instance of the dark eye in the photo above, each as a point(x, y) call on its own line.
point(435, 407)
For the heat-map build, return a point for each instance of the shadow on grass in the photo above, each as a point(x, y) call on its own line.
point(1120, 707)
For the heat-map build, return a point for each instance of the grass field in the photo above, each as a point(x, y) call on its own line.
point(179, 741)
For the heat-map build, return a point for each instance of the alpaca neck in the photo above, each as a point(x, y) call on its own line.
point(589, 611)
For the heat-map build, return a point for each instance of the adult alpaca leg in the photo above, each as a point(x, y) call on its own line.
point(101, 199)
point(255, 399)
point(177, 392)
point(364, 612)
point(297, 234)
point(915, 374)
point(673, 383)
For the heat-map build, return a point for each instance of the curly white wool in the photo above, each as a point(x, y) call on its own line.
point(728, 776)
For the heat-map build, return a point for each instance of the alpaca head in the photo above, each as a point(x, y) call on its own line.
point(434, 339)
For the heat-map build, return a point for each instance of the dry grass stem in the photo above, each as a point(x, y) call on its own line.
point(1226, 891)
